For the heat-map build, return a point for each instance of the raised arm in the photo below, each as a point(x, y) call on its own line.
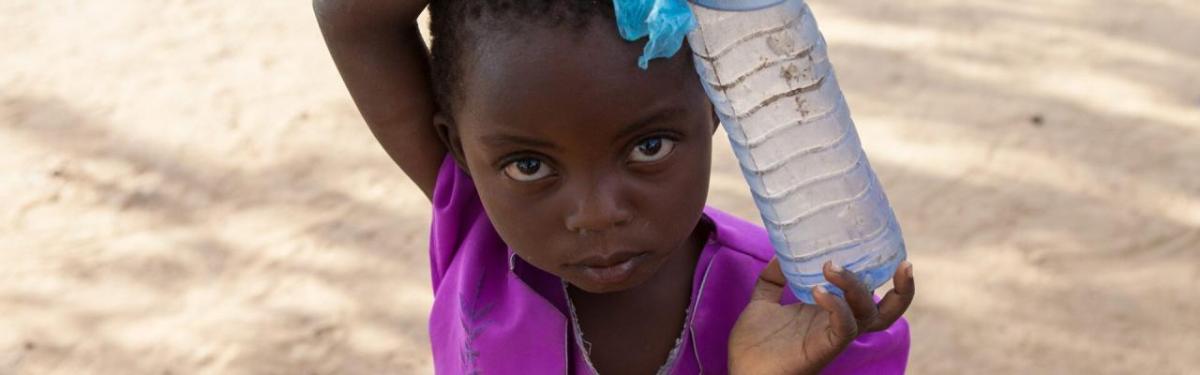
point(383, 60)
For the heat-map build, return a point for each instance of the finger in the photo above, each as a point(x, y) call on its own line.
point(896, 302)
point(842, 327)
point(857, 296)
point(770, 283)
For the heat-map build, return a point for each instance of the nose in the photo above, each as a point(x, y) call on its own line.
point(598, 207)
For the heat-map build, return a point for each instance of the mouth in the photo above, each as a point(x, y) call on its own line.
point(612, 269)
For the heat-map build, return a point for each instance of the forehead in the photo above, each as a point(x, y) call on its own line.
point(570, 75)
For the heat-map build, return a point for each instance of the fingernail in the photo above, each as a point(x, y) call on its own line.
point(908, 269)
point(821, 289)
point(835, 267)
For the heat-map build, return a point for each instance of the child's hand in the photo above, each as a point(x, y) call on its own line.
point(770, 338)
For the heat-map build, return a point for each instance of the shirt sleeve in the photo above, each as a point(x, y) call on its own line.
point(884, 352)
point(457, 211)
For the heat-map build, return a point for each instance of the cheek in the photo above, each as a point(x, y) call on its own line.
point(675, 200)
point(521, 221)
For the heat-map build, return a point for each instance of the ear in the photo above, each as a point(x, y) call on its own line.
point(447, 130)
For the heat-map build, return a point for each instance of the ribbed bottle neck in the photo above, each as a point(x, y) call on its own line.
point(737, 5)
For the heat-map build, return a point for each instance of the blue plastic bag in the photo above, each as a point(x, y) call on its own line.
point(665, 22)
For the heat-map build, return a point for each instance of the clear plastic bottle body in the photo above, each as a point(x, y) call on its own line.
point(767, 72)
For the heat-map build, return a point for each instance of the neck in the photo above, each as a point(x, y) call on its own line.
point(633, 331)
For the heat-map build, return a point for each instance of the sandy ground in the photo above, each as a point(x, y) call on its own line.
point(189, 190)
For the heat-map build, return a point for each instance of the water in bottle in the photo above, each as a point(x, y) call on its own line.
point(765, 68)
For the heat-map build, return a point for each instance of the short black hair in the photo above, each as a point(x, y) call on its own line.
point(456, 26)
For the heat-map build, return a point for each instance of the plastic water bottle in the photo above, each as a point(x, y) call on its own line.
point(764, 66)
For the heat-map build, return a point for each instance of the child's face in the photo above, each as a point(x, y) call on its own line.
point(589, 167)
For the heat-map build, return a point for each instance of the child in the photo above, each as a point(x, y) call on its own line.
point(569, 228)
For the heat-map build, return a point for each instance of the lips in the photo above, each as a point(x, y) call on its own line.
point(608, 260)
point(613, 268)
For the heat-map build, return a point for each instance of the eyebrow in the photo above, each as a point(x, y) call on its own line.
point(496, 140)
point(658, 116)
point(509, 139)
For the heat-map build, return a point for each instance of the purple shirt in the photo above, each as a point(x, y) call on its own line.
point(493, 313)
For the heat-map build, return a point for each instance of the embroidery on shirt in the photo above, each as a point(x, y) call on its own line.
point(473, 324)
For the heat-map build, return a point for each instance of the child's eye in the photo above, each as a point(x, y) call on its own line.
point(652, 149)
point(527, 170)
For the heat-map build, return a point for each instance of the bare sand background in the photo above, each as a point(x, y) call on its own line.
point(187, 188)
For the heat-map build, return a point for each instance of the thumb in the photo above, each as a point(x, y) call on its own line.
point(770, 283)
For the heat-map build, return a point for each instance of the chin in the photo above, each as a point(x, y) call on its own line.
point(603, 288)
